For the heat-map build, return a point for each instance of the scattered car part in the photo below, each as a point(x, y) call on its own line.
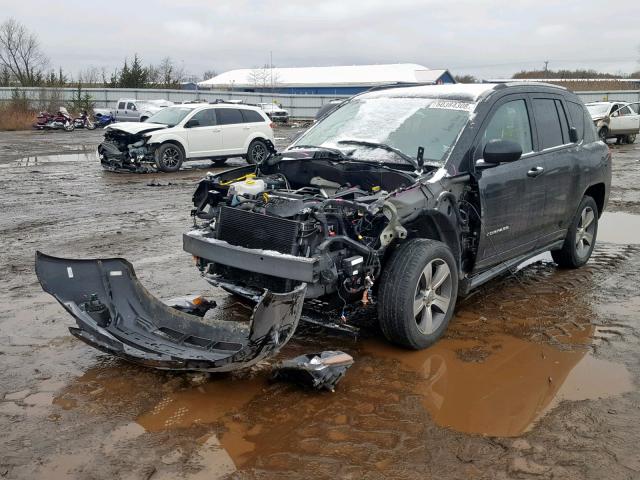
point(321, 371)
point(117, 315)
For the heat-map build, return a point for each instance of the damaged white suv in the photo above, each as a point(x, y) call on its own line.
point(187, 132)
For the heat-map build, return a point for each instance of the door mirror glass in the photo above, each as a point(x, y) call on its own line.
point(501, 151)
point(192, 123)
point(573, 135)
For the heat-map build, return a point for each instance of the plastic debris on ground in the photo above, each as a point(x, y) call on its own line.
point(321, 371)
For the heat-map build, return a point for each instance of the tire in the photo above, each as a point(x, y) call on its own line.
point(403, 311)
point(169, 157)
point(580, 240)
point(257, 151)
point(603, 134)
point(90, 125)
point(620, 140)
point(631, 138)
point(143, 119)
point(69, 127)
point(219, 162)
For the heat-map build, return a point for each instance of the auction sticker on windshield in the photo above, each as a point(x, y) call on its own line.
point(453, 105)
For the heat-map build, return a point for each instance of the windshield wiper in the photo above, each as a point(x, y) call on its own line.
point(327, 149)
point(382, 146)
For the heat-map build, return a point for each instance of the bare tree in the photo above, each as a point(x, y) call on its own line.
point(20, 53)
point(209, 74)
point(89, 77)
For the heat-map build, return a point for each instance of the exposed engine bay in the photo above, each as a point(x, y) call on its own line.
point(128, 151)
point(320, 220)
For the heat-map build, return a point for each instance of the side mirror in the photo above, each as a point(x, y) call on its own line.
point(573, 135)
point(501, 151)
point(192, 123)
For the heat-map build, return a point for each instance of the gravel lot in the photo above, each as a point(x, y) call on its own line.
point(537, 376)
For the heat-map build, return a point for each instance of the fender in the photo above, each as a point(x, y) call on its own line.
point(156, 139)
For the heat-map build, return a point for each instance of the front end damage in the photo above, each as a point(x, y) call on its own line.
point(117, 315)
point(128, 149)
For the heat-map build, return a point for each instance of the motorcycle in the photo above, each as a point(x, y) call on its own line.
point(83, 121)
point(102, 120)
point(60, 121)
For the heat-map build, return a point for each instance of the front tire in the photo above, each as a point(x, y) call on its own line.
point(631, 138)
point(603, 134)
point(257, 151)
point(581, 237)
point(169, 157)
point(418, 292)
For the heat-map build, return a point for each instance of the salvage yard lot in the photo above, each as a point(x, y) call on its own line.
point(485, 402)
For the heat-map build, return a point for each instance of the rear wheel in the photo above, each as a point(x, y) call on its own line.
point(257, 151)
point(631, 138)
point(603, 133)
point(581, 237)
point(418, 292)
point(169, 157)
point(69, 127)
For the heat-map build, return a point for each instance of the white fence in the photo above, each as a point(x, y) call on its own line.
point(299, 106)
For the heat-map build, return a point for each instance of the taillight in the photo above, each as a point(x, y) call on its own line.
point(272, 125)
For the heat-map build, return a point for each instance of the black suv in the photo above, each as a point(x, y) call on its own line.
point(404, 197)
point(413, 194)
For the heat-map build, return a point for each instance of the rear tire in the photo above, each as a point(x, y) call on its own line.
point(169, 157)
point(418, 292)
point(631, 138)
point(257, 151)
point(581, 237)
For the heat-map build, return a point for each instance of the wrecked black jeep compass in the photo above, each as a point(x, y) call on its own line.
point(402, 196)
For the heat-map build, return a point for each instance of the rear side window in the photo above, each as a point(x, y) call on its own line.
point(121, 106)
point(251, 116)
point(206, 118)
point(577, 118)
point(228, 116)
point(510, 122)
point(564, 123)
point(548, 122)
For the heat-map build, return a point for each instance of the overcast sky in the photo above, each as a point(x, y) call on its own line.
point(487, 38)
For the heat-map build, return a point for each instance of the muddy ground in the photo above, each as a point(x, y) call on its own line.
point(537, 376)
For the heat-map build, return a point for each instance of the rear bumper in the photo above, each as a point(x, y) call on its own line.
point(266, 262)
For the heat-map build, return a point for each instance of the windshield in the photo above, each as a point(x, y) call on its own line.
point(598, 109)
point(403, 123)
point(170, 116)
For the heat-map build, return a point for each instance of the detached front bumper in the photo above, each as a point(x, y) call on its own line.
point(117, 315)
point(266, 262)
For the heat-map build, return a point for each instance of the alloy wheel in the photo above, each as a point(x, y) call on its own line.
point(258, 152)
point(432, 296)
point(171, 157)
point(585, 231)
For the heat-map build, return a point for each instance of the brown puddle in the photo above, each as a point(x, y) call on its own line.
point(513, 384)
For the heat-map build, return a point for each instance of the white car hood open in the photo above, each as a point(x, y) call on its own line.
point(135, 127)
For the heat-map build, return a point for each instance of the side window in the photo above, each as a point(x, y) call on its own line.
point(510, 122)
point(206, 118)
point(228, 116)
point(563, 121)
point(131, 106)
point(589, 128)
point(624, 111)
point(577, 118)
point(121, 105)
point(548, 122)
point(251, 116)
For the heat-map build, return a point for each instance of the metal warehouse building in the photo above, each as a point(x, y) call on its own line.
point(343, 80)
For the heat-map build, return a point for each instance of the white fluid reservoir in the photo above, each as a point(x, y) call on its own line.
point(250, 186)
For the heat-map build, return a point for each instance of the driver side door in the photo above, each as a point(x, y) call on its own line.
point(512, 195)
point(205, 138)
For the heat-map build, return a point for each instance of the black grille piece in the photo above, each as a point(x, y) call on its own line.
point(256, 230)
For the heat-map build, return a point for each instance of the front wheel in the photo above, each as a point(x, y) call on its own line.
point(631, 138)
point(90, 125)
point(603, 133)
point(257, 151)
point(69, 126)
point(581, 236)
point(169, 157)
point(418, 292)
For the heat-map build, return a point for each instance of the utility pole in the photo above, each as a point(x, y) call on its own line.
point(546, 68)
point(271, 67)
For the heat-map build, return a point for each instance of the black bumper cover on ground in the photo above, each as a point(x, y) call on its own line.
point(117, 315)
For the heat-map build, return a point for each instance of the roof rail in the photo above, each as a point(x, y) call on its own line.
point(399, 85)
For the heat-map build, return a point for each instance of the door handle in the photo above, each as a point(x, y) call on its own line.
point(216, 130)
point(246, 128)
point(535, 171)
